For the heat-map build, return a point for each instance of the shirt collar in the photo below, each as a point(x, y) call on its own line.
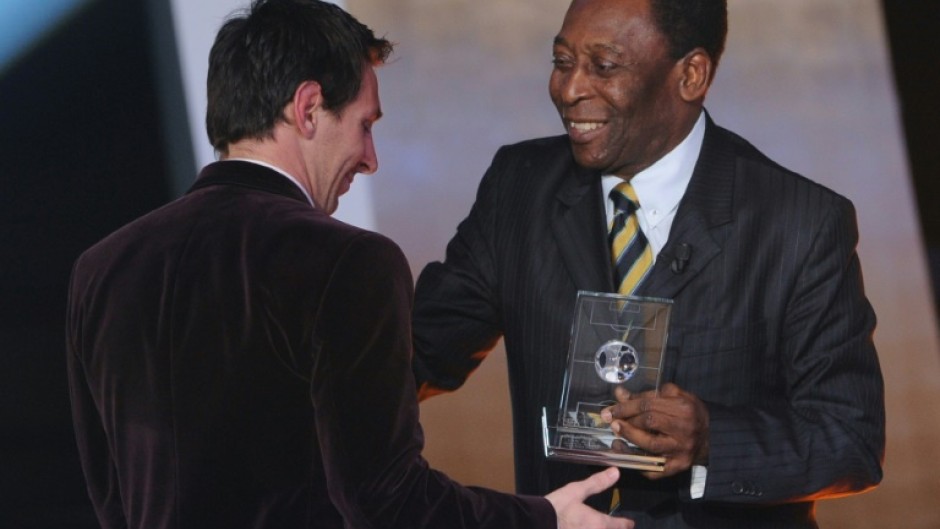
point(279, 170)
point(661, 186)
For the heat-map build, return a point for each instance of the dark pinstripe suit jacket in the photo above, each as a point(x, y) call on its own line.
point(239, 359)
point(770, 326)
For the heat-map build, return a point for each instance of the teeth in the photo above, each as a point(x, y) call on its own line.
point(585, 127)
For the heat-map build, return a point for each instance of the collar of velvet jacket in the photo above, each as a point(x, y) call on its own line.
point(247, 174)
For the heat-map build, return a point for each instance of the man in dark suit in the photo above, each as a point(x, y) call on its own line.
point(239, 359)
point(772, 395)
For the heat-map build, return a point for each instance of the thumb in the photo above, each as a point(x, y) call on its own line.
point(621, 394)
point(598, 482)
point(573, 514)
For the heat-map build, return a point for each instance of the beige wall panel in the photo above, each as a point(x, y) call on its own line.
point(807, 81)
point(467, 77)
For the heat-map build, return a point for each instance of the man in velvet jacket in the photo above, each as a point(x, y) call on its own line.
point(772, 394)
point(239, 359)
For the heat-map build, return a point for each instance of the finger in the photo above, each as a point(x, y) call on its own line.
point(580, 516)
point(637, 436)
point(652, 419)
point(670, 390)
point(621, 394)
point(631, 410)
point(673, 466)
point(618, 523)
point(681, 418)
point(651, 442)
point(597, 482)
point(571, 511)
point(651, 394)
point(653, 476)
point(622, 410)
point(662, 414)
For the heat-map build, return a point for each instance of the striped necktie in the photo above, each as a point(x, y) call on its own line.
point(631, 254)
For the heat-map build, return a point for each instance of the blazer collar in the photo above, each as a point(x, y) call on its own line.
point(247, 174)
point(698, 230)
point(580, 227)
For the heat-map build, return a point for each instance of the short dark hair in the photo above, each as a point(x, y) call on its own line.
point(690, 24)
point(259, 58)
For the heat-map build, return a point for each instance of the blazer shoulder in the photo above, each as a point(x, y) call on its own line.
point(551, 147)
point(535, 162)
point(318, 232)
point(761, 171)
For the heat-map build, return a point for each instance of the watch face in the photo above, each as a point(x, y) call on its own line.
point(616, 361)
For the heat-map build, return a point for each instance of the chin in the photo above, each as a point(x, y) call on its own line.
point(590, 162)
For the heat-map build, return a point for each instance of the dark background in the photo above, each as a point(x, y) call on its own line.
point(86, 148)
point(83, 153)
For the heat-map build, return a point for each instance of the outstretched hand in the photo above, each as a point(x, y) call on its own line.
point(568, 502)
point(673, 424)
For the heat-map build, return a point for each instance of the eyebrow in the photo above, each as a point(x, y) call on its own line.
point(610, 48)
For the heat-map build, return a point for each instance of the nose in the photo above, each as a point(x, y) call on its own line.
point(370, 161)
point(571, 86)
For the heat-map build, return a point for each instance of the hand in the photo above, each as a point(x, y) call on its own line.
point(673, 424)
point(568, 502)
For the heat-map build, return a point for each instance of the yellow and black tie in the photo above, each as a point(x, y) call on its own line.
point(631, 254)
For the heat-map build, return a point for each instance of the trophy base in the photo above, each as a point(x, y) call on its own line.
point(595, 446)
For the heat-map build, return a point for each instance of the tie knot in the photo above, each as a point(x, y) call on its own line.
point(624, 198)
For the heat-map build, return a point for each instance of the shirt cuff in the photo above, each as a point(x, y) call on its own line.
point(697, 488)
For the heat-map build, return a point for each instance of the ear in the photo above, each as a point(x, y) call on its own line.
point(304, 109)
point(695, 76)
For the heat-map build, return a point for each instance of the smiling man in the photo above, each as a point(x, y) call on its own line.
point(240, 359)
point(772, 396)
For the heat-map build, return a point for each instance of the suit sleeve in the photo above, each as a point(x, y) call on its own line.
point(366, 410)
point(97, 464)
point(457, 315)
point(825, 436)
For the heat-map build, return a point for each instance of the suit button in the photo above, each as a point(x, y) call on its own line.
point(751, 490)
point(737, 487)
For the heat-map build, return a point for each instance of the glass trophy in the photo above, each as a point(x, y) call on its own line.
point(616, 341)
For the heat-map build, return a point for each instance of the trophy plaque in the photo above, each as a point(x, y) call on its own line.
point(616, 341)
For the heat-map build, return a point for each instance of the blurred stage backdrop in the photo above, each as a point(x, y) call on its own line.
point(102, 120)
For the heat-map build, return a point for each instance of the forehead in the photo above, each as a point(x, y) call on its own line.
point(608, 23)
point(367, 100)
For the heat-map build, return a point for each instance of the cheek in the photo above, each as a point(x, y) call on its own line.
point(618, 97)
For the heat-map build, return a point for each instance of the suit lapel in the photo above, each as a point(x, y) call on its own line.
point(579, 227)
point(701, 221)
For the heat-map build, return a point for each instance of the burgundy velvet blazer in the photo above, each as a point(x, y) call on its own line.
point(239, 359)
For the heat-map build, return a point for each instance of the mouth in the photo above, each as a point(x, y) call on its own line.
point(346, 183)
point(582, 131)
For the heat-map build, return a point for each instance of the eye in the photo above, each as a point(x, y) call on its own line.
point(561, 62)
point(604, 67)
